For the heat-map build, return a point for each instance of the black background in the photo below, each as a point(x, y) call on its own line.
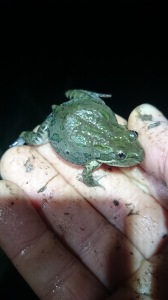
point(47, 47)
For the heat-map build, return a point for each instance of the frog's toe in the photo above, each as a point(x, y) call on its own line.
point(90, 181)
point(19, 142)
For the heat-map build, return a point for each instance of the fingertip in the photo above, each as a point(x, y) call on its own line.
point(152, 128)
point(145, 115)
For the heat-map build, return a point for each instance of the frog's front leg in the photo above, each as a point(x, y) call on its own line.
point(87, 173)
point(34, 138)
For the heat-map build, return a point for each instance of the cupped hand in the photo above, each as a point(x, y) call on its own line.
point(70, 241)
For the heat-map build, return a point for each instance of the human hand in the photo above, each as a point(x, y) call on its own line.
point(70, 241)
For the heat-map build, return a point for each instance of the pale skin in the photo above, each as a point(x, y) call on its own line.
point(70, 241)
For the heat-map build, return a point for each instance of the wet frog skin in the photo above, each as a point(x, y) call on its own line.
point(84, 131)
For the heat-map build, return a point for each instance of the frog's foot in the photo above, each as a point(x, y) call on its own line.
point(87, 177)
point(82, 94)
point(90, 181)
point(19, 142)
point(28, 137)
point(34, 138)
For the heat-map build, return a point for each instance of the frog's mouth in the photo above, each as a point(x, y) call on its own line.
point(127, 163)
point(122, 160)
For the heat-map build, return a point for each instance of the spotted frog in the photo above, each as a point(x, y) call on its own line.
point(84, 131)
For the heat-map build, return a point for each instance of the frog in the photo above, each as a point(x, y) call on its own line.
point(84, 131)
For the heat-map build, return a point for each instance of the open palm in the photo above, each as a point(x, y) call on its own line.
point(70, 241)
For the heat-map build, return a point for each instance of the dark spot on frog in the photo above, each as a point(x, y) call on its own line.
point(164, 236)
point(12, 203)
point(56, 138)
point(52, 122)
point(116, 202)
point(66, 213)
point(145, 117)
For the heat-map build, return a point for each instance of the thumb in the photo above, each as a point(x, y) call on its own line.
point(152, 128)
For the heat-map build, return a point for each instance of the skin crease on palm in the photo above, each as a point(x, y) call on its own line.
point(70, 241)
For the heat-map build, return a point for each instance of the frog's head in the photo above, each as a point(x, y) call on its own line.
point(126, 151)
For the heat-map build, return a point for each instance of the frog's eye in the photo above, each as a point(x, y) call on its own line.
point(120, 155)
point(133, 134)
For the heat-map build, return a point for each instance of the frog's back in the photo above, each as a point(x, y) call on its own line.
point(80, 128)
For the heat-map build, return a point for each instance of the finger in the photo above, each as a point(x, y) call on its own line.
point(151, 277)
point(153, 135)
point(154, 271)
point(47, 266)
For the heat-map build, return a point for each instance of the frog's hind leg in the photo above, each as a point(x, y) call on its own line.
point(83, 94)
point(34, 138)
point(87, 174)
